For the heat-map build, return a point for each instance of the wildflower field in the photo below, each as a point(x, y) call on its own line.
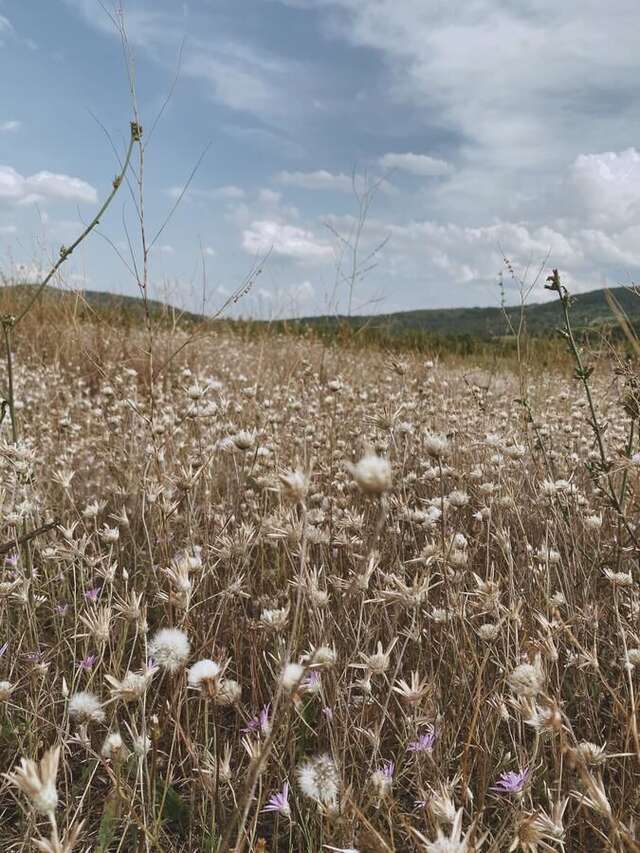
point(266, 594)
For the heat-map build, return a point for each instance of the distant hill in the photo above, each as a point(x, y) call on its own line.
point(588, 311)
point(84, 302)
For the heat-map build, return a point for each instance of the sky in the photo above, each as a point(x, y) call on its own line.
point(456, 132)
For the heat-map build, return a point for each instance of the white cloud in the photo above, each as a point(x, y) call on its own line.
point(164, 249)
point(17, 188)
point(320, 180)
point(416, 164)
point(269, 198)
point(303, 292)
point(209, 251)
point(606, 187)
point(10, 126)
point(284, 240)
point(512, 86)
point(8, 229)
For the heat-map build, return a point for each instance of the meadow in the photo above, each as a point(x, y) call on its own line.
point(276, 593)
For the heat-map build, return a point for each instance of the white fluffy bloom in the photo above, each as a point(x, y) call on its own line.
point(141, 745)
point(228, 692)
point(295, 484)
point(488, 631)
point(113, 747)
point(436, 446)
point(631, 659)
point(318, 779)
point(292, 675)
point(86, 707)
point(372, 473)
point(203, 671)
point(170, 648)
point(527, 679)
point(6, 689)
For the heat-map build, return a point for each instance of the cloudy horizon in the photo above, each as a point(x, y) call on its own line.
point(488, 128)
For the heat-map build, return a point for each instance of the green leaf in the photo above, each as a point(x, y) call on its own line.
point(108, 823)
point(174, 810)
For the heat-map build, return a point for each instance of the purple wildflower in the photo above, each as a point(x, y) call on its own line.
point(424, 743)
point(311, 682)
point(12, 559)
point(387, 770)
point(259, 722)
point(512, 782)
point(328, 712)
point(88, 662)
point(92, 594)
point(62, 608)
point(279, 802)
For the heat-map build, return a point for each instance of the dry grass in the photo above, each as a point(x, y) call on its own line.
point(450, 626)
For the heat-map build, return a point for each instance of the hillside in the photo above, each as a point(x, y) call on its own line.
point(84, 303)
point(588, 310)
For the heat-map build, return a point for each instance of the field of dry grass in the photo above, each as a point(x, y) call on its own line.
point(302, 598)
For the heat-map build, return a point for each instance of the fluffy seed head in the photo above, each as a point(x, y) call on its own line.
point(170, 648)
point(372, 474)
point(318, 779)
point(85, 707)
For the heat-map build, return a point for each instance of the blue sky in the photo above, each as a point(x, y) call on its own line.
point(487, 126)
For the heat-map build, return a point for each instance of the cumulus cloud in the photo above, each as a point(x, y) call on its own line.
point(19, 189)
point(416, 164)
point(534, 106)
point(288, 241)
point(319, 180)
point(606, 187)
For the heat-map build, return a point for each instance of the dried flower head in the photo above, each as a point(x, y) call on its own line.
point(319, 780)
point(527, 679)
point(38, 781)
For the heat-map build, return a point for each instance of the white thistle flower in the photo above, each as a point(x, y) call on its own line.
point(6, 689)
point(292, 676)
point(527, 679)
point(169, 648)
point(318, 779)
point(202, 673)
point(85, 707)
point(372, 473)
point(436, 446)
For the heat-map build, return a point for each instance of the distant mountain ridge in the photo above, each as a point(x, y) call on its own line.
point(588, 311)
